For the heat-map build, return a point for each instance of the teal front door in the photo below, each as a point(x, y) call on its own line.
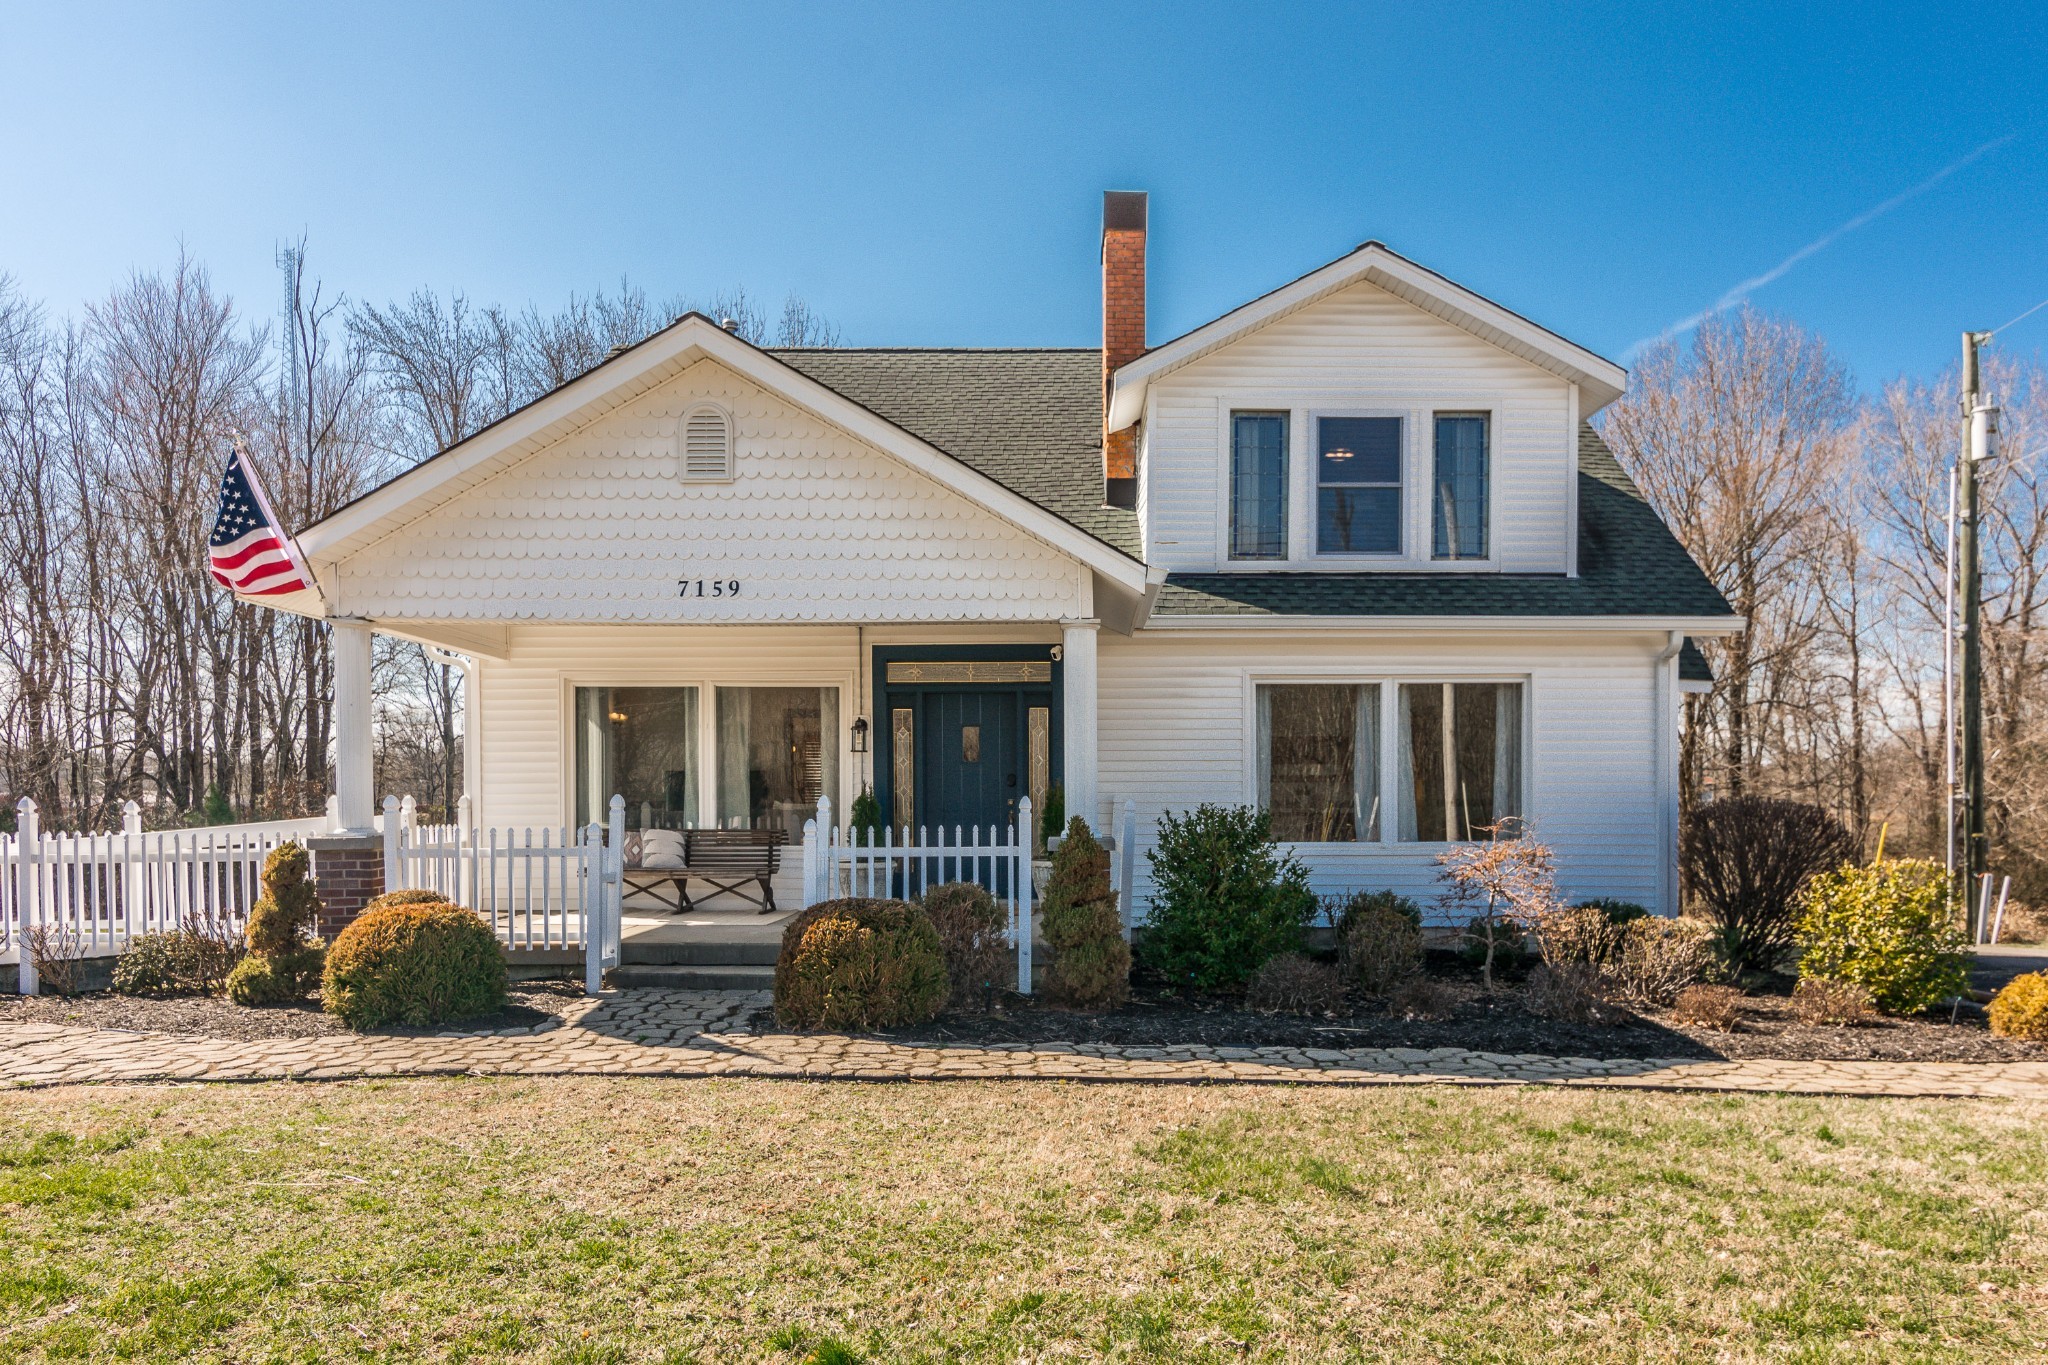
point(973, 759)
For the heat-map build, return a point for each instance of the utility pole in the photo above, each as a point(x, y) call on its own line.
point(1980, 447)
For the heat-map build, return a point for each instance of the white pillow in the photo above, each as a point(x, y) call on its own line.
point(659, 862)
point(660, 843)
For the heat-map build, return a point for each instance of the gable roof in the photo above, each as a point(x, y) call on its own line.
point(1629, 565)
point(654, 361)
point(1600, 380)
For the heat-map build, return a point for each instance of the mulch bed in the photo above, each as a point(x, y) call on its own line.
point(1501, 1023)
point(532, 1003)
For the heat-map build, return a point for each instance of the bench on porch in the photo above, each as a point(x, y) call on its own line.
point(663, 862)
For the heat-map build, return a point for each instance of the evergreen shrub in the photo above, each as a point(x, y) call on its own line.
point(2020, 1010)
point(413, 961)
point(1091, 962)
point(1225, 898)
point(1890, 927)
point(970, 926)
point(860, 963)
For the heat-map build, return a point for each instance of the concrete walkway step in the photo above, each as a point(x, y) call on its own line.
point(755, 950)
point(687, 977)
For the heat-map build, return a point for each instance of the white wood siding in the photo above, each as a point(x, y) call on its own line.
point(1360, 350)
point(1176, 729)
point(814, 525)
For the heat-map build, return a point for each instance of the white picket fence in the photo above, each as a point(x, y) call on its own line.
point(554, 890)
point(87, 895)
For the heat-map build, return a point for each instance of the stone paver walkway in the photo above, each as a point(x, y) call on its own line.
point(700, 1033)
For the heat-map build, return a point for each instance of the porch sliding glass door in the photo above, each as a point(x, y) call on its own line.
point(641, 743)
point(778, 749)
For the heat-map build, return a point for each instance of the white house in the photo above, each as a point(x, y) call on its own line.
point(1350, 551)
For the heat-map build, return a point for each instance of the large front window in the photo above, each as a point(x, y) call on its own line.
point(1319, 760)
point(640, 743)
point(778, 749)
point(1460, 760)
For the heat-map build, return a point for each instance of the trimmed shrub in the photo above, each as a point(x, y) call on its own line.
point(1423, 997)
point(1618, 912)
point(289, 907)
point(1294, 983)
point(860, 964)
point(1715, 1007)
point(181, 962)
point(1573, 992)
point(1091, 962)
point(1225, 900)
point(1817, 1001)
point(1745, 860)
point(970, 927)
point(1582, 935)
point(1891, 928)
point(2020, 1010)
point(415, 962)
point(1660, 957)
point(255, 982)
point(406, 896)
point(1379, 939)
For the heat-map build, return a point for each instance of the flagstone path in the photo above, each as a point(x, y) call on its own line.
point(701, 1033)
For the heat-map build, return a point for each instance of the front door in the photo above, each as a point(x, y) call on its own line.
point(973, 758)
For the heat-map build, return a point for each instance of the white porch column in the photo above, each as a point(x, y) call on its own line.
point(1077, 660)
point(353, 770)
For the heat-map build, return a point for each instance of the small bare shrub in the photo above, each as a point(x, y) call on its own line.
point(1744, 861)
point(1295, 984)
point(970, 926)
point(1660, 957)
point(1714, 1007)
point(1379, 940)
point(55, 952)
point(1817, 1001)
point(1424, 997)
point(1497, 887)
point(1569, 992)
point(1583, 936)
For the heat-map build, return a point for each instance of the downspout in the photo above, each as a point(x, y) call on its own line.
point(1666, 732)
point(472, 725)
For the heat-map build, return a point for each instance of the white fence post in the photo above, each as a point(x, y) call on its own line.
point(593, 908)
point(27, 852)
point(333, 815)
point(393, 878)
point(1127, 858)
point(133, 887)
point(808, 894)
point(1020, 887)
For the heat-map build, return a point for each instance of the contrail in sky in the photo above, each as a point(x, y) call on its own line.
point(1820, 243)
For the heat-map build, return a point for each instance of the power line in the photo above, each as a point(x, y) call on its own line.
point(2029, 313)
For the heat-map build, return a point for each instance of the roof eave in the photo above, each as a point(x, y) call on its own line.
point(1600, 380)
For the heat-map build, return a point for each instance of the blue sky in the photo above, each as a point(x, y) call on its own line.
point(931, 174)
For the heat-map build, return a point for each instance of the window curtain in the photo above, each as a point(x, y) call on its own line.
point(1461, 476)
point(735, 728)
point(1410, 827)
point(1507, 752)
point(1265, 743)
point(593, 743)
point(1365, 765)
point(1258, 485)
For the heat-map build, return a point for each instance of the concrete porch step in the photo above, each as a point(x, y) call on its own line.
point(675, 977)
point(758, 950)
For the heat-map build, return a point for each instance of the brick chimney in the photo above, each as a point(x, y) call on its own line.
point(1123, 331)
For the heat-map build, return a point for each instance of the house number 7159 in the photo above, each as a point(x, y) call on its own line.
point(708, 587)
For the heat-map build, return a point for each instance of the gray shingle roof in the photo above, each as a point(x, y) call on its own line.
point(1629, 565)
point(1693, 665)
point(1029, 419)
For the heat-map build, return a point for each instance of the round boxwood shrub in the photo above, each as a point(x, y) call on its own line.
point(2020, 1010)
point(413, 958)
point(860, 963)
point(1889, 927)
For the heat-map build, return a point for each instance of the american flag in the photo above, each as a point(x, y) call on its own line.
point(248, 551)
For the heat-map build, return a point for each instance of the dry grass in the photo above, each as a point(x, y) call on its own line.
point(593, 1220)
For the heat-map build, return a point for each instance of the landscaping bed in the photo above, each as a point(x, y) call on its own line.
point(532, 1005)
point(1502, 1023)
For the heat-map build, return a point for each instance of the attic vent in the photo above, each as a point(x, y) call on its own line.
point(706, 440)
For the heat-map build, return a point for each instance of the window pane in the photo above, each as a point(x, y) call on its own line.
point(1460, 496)
point(1358, 450)
point(778, 749)
point(1358, 521)
point(1473, 732)
point(639, 743)
point(1258, 485)
point(1319, 761)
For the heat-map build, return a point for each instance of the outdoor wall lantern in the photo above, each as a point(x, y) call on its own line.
point(860, 734)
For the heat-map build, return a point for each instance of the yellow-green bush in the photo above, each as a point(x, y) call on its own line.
point(291, 975)
point(2021, 1009)
point(860, 964)
point(284, 915)
point(1889, 927)
point(413, 961)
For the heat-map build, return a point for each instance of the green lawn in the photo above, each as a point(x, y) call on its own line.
point(600, 1220)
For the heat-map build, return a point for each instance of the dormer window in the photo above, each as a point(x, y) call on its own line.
point(1258, 485)
point(1358, 485)
point(704, 445)
point(1458, 519)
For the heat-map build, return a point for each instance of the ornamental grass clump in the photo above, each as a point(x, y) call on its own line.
point(860, 963)
point(283, 961)
point(1225, 899)
point(1890, 927)
point(413, 961)
point(2020, 1010)
point(970, 926)
point(1091, 962)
